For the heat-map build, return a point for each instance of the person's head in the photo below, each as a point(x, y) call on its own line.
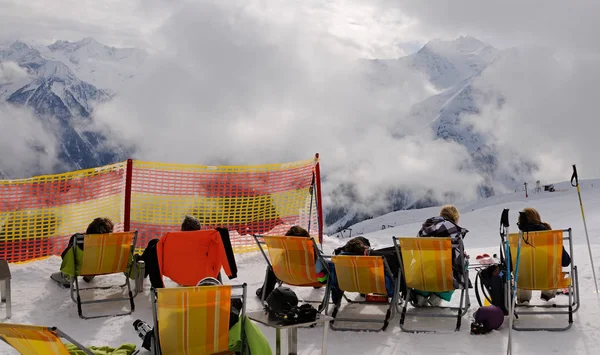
point(530, 216)
point(100, 225)
point(355, 246)
point(190, 223)
point(297, 231)
point(450, 212)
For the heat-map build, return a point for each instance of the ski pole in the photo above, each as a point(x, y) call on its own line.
point(504, 236)
point(576, 179)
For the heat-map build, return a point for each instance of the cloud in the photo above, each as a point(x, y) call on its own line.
point(234, 86)
point(557, 24)
point(26, 137)
point(11, 72)
point(119, 23)
point(548, 112)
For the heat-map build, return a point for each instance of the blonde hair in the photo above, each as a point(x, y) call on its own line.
point(450, 212)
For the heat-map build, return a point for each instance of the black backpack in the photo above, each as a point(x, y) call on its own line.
point(492, 282)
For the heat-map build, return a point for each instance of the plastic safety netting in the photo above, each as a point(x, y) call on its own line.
point(255, 199)
point(38, 215)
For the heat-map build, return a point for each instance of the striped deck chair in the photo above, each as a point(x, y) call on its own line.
point(194, 320)
point(540, 268)
point(293, 260)
point(426, 265)
point(363, 274)
point(104, 254)
point(35, 340)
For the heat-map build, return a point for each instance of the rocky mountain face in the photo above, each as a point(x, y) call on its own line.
point(51, 86)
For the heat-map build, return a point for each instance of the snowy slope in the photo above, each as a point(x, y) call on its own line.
point(37, 300)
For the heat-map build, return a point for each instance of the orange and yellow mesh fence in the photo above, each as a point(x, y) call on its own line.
point(39, 214)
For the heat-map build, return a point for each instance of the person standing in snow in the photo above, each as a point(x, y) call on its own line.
point(100, 225)
point(531, 221)
point(442, 226)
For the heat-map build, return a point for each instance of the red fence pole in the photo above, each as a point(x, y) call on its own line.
point(127, 207)
point(319, 200)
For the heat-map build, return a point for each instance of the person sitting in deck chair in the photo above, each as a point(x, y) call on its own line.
point(531, 221)
point(442, 226)
point(271, 279)
point(100, 225)
point(190, 223)
point(362, 246)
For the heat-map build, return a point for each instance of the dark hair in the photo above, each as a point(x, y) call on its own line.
point(355, 246)
point(100, 225)
point(297, 231)
point(190, 223)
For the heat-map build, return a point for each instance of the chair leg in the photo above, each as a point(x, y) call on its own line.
point(324, 346)
point(8, 299)
point(76, 296)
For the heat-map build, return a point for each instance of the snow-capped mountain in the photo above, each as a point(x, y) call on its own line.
point(453, 68)
point(105, 67)
point(50, 84)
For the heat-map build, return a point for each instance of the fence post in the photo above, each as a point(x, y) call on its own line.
point(319, 200)
point(127, 206)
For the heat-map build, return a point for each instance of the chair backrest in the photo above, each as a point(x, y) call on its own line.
point(363, 274)
point(293, 259)
point(32, 340)
point(193, 320)
point(540, 264)
point(107, 253)
point(188, 257)
point(427, 263)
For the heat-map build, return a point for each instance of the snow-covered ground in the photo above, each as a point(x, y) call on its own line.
point(38, 300)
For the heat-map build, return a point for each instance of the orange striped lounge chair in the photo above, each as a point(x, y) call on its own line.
point(194, 320)
point(36, 340)
point(426, 265)
point(104, 254)
point(366, 275)
point(540, 268)
point(293, 260)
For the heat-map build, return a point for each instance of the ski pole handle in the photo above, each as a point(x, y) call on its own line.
point(574, 177)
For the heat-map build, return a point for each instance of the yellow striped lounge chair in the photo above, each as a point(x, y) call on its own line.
point(293, 260)
point(540, 268)
point(426, 265)
point(365, 275)
point(194, 320)
point(36, 340)
point(104, 254)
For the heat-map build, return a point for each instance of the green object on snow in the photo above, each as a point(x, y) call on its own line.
point(257, 342)
point(125, 349)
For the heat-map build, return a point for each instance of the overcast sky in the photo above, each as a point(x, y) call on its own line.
point(271, 80)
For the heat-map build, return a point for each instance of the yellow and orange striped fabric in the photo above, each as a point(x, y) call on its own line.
point(193, 320)
point(540, 265)
point(293, 260)
point(363, 274)
point(32, 340)
point(38, 215)
point(252, 199)
point(427, 263)
point(106, 253)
